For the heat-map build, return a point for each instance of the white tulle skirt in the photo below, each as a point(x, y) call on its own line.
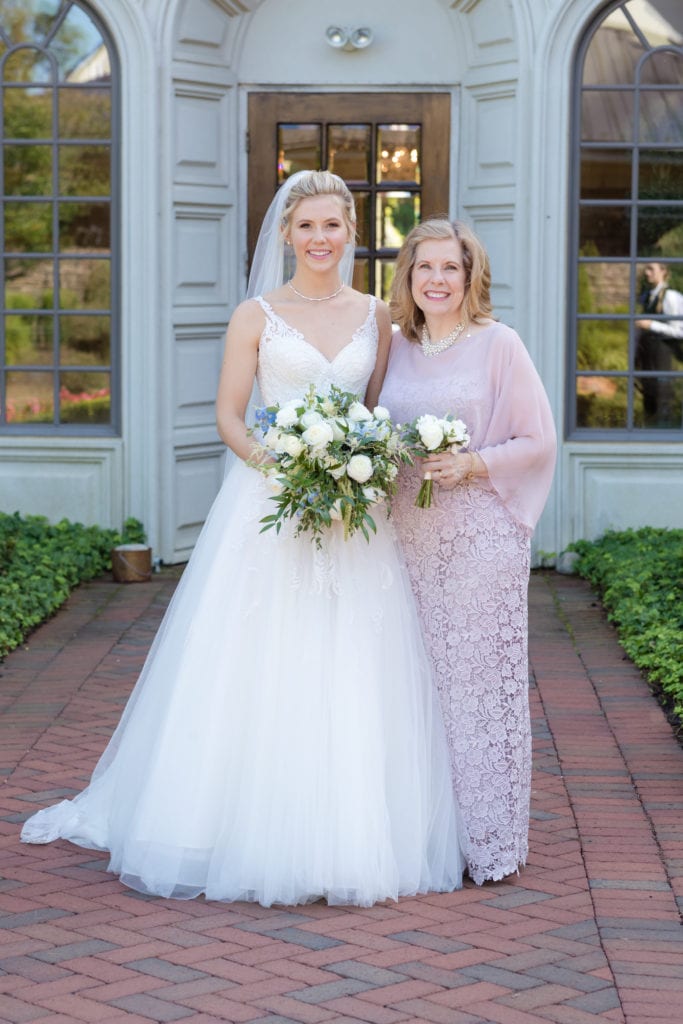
point(283, 742)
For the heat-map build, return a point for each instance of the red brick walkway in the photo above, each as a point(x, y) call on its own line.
point(590, 931)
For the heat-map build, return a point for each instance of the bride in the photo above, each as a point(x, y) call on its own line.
point(283, 742)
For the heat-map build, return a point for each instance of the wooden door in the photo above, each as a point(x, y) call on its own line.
point(392, 149)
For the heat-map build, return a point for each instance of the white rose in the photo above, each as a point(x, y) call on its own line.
point(318, 435)
point(310, 417)
point(373, 494)
point(287, 416)
point(357, 412)
point(275, 483)
point(335, 510)
point(273, 439)
point(456, 432)
point(431, 432)
point(292, 445)
point(337, 432)
point(336, 470)
point(359, 468)
point(380, 413)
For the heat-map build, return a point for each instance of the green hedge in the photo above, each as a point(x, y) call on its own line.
point(639, 577)
point(41, 563)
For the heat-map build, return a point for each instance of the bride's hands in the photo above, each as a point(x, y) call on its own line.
point(449, 469)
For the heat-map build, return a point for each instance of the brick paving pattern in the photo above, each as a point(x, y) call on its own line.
point(589, 932)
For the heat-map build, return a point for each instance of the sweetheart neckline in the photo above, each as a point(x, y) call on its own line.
point(302, 337)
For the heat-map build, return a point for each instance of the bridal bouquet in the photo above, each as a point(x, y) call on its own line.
point(328, 458)
point(429, 435)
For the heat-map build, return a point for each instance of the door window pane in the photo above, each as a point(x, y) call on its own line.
point(384, 276)
point(398, 152)
point(363, 233)
point(397, 213)
point(348, 151)
point(361, 275)
point(299, 149)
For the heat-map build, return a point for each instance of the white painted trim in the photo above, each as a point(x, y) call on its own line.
point(546, 298)
point(141, 400)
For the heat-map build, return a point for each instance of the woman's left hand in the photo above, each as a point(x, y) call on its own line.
point(448, 469)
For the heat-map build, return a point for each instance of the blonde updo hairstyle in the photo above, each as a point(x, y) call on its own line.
point(320, 183)
point(477, 302)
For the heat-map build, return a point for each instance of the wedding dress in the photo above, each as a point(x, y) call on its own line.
point(283, 742)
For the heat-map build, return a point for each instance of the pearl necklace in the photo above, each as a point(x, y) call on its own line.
point(432, 348)
point(310, 298)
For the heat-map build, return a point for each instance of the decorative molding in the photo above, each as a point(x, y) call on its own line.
point(235, 8)
point(464, 6)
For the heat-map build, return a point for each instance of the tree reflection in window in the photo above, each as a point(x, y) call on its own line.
point(628, 197)
point(57, 226)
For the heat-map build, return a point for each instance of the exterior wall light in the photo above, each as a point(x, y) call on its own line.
point(348, 38)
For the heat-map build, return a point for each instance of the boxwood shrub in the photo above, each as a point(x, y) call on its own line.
point(639, 577)
point(41, 563)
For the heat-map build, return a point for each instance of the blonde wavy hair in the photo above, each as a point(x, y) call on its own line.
point(477, 302)
point(320, 183)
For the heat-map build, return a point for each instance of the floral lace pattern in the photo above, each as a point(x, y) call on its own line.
point(468, 561)
point(288, 364)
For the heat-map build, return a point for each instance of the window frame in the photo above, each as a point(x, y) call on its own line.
point(576, 205)
point(53, 198)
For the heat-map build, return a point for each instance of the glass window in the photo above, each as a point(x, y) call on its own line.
point(58, 225)
point(626, 330)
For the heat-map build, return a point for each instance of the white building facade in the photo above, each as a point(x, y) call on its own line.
point(522, 142)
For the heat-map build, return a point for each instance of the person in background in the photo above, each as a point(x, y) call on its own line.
point(468, 555)
point(659, 342)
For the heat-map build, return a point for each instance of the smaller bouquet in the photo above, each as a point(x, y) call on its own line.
point(327, 458)
point(428, 435)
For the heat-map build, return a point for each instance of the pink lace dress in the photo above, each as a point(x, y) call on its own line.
point(468, 560)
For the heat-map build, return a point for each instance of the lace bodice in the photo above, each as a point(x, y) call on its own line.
point(288, 364)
